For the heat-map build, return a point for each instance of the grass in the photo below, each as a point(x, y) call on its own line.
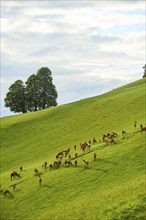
point(113, 187)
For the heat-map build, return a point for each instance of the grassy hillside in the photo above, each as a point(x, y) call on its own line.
point(112, 187)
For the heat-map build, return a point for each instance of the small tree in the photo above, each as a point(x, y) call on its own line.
point(16, 97)
point(39, 92)
point(144, 67)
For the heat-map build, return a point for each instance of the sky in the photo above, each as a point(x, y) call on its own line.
point(90, 46)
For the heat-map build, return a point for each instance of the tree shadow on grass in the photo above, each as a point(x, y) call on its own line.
point(102, 170)
point(49, 186)
point(84, 153)
point(105, 161)
point(97, 169)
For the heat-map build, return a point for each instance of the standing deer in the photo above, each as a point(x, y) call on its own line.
point(40, 181)
point(135, 123)
point(76, 163)
point(95, 155)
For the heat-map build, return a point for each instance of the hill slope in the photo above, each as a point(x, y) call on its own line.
point(112, 187)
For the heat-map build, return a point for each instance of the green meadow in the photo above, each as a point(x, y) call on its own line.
point(110, 188)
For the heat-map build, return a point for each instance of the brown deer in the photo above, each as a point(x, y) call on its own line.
point(142, 128)
point(14, 186)
point(51, 165)
point(76, 163)
point(45, 165)
point(94, 140)
point(57, 163)
point(86, 163)
point(104, 138)
point(124, 134)
point(36, 171)
point(67, 162)
point(76, 155)
point(14, 173)
point(40, 181)
point(21, 168)
point(6, 191)
point(135, 123)
point(75, 147)
point(95, 155)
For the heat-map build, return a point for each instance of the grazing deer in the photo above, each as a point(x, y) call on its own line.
point(14, 186)
point(45, 165)
point(86, 163)
point(94, 140)
point(123, 134)
point(6, 191)
point(14, 173)
point(142, 128)
point(67, 162)
point(111, 140)
point(103, 138)
point(36, 171)
point(56, 163)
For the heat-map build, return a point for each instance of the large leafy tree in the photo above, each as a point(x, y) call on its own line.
point(16, 97)
point(39, 92)
point(47, 94)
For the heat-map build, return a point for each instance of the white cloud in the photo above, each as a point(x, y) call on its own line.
point(85, 45)
point(71, 21)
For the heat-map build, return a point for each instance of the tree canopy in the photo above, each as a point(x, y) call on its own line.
point(16, 97)
point(144, 67)
point(37, 93)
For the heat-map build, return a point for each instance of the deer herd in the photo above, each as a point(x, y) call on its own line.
point(72, 160)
